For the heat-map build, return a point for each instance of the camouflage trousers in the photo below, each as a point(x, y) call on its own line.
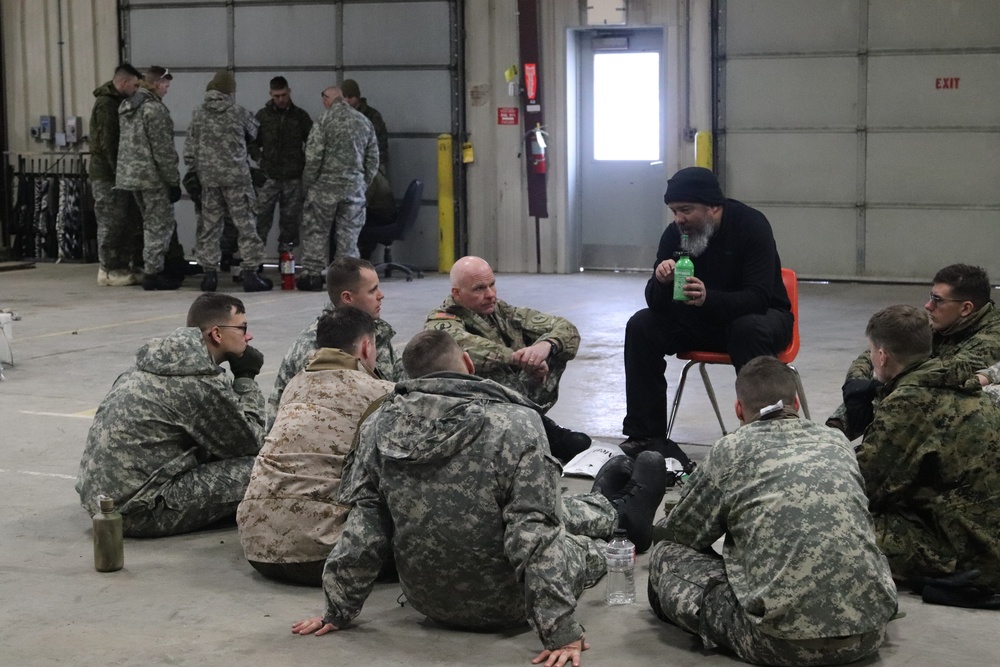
point(289, 195)
point(238, 202)
point(545, 394)
point(117, 235)
point(194, 500)
point(344, 213)
point(158, 225)
point(690, 589)
point(589, 520)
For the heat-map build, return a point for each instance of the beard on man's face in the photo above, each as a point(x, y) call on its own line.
point(698, 241)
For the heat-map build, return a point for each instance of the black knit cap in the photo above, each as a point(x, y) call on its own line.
point(696, 185)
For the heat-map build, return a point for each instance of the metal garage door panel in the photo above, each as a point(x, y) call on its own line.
point(307, 88)
point(768, 92)
point(781, 26)
point(421, 246)
point(791, 167)
point(905, 91)
point(187, 92)
point(953, 168)
point(396, 32)
point(914, 243)
point(171, 38)
point(933, 24)
point(409, 101)
point(413, 158)
point(816, 241)
point(300, 34)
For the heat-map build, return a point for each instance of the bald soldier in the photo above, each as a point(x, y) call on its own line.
point(521, 348)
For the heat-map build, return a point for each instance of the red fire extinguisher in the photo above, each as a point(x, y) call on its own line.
point(286, 262)
point(537, 151)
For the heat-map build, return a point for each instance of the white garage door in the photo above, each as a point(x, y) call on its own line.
point(402, 54)
point(868, 131)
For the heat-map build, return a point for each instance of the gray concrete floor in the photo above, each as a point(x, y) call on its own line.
point(194, 600)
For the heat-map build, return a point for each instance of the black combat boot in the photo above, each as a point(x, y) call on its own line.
point(564, 443)
point(613, 476)
point(160, 281)
point(309, 283)
point(210, 281)
point(639, 499)
point(253, 282)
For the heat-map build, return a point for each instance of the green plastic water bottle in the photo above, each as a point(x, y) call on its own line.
point(684, 269)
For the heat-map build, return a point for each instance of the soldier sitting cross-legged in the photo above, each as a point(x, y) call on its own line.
point(452, 476)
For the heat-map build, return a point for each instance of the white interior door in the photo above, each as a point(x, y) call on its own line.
point(621, 147)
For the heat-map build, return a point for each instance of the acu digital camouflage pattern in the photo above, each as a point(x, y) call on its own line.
point(147, 166)
point(174, 440)
point(290, 194)
point(290, 513)
point(993, 389)
point(800, 560)
point(451, 475)
point(147, 158)
point(491, 341)
point(341, 161)
point(388, 363)
point(216, 149)
point(931, 463)
point(974, 340)
point(115, 232)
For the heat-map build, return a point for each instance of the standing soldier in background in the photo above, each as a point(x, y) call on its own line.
point(216, 149)
point(114, 251)
point(341, 161)
point(279, 149)
point(379, 201)
point(147, 166)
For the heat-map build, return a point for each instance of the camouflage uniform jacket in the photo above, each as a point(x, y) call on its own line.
point(280, 144)
point(290, 512)
point(104, 132)
point(974, 340)
point(388, 365)
point(800, 552)
point(931, 463)
point(491, 340)
point(341, 152)
point(175, 410)
point(452, 476)
point(993, 375)
point(381, 132)
point(216, 145)
point(147, 158)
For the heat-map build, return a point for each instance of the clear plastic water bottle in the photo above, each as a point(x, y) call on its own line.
point(620, 557)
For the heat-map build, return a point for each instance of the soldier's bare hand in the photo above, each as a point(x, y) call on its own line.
point(665, 271)
point(311, 625)
point(533, 357)
point(560, 656)
point(539, 374)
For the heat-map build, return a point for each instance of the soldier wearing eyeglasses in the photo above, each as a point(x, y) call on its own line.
point(174, 441)
point(965, 327)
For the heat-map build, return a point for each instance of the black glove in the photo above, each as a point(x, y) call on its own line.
point(174, 192)
point(958, 590)
point(247, 365)
point(859, 396)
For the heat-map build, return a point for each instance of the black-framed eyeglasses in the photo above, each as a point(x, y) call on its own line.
point(936, 300)
point(241, 327)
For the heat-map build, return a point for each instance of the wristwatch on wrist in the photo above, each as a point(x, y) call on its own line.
point(555, 348)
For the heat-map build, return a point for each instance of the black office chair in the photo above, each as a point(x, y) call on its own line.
point(397, 230)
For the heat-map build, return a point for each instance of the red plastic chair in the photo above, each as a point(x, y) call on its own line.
point(702, 358)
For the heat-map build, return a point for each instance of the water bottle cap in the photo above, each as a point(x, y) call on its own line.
point(620, 532)
point(107, 504)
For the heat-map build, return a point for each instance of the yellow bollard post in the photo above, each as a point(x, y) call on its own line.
point(703, 149)
point(446, 205)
